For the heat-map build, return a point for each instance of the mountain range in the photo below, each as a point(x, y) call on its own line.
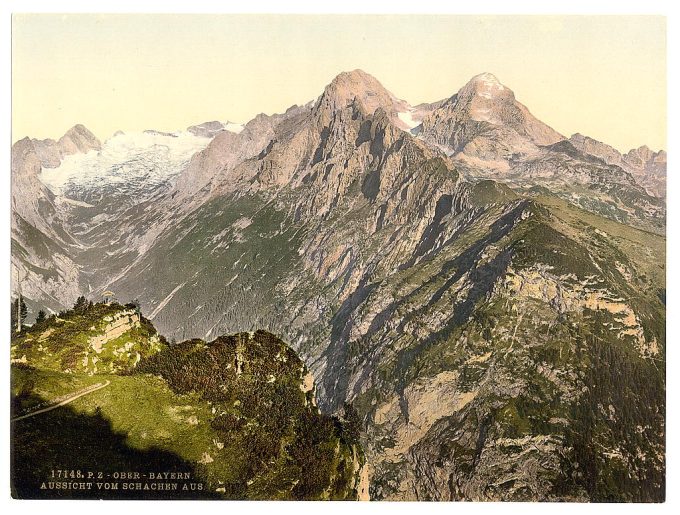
point(488, 294)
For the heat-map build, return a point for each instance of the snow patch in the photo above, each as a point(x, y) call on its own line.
point(407, 118)
point(73, 202)
point(234, 127)
point(487, 85)
point(490, 80)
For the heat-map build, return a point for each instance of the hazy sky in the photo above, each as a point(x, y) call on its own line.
point(601, 76)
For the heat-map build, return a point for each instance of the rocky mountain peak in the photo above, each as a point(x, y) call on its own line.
point(78, 139)
point(360, 88)
point(641, 155)
point(26, 161)
point(484, 121)
point(484, 89)
point(649, 168)
point(487, 78)
point(596, 148)
point(21, 147)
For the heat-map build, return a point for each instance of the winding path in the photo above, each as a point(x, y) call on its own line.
point(65, 401)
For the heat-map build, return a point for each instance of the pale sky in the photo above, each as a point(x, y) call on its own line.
point(603, 76)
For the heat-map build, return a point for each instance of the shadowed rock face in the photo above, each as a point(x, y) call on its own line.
point(456, 313)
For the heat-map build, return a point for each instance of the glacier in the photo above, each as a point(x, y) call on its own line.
point(150, 157)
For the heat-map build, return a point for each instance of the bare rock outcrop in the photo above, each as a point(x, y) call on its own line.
point(117, 324)
point(646, 166)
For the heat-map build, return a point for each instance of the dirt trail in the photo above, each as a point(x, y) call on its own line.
point(363, 484)
point(75, 396)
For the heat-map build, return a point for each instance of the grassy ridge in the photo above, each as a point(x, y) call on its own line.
point(235, 413)
point(66, 341)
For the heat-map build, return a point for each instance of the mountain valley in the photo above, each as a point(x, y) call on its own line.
point(486, 293)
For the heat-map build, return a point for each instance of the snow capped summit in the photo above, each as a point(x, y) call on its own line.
point(407, 118)
point(484, 122)
point(488, 79)
point(487, 85)
point(485, 89)
point(233, 127)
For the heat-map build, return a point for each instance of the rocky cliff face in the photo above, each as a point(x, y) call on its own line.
point(596, 148)
point(42, 247)
point(647, 167)
point(362, 90)
point(437, 356)
point(78, 140)
point(478, 325)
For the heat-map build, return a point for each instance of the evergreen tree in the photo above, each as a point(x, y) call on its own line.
point(81, 305)
point(352, 422)
point(13, 315)
point(24, 311)
point(40, 317)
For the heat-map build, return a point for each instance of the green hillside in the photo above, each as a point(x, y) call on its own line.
point(235, 418)
point(97, 338)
